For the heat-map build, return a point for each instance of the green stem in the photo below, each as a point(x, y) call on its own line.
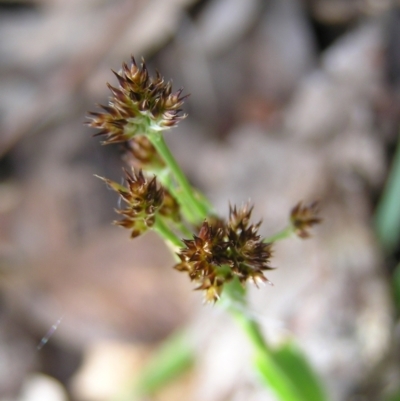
point(285, 233)
point(234, 299)
point(162, 229)
point(268, 367)
point(166, 180)
point(199, 208)
point(251, 329)
point(184, 230)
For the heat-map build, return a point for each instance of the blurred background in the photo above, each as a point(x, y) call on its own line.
point(290, 100)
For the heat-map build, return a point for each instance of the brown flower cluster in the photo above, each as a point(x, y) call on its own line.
point(304, 217)
point(139, 104)
point(140, 153)
point(144, 198)
point(223, 250)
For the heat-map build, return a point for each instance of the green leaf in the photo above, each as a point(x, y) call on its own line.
point(175, 357)
point(276, 378)
point(300, 372)
point(387, 219)
point(396, 286)
point(394, 397)
point(285, 370)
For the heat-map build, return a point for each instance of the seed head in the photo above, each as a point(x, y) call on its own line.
point(142, 154)
point(304, 217)
point(223, 250)
point(249, 254)
point(170, 207)
point(139, 104)
point(143, 200)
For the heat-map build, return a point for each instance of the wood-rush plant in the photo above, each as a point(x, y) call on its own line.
point(219, 255)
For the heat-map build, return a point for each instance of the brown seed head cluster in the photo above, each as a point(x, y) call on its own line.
point(304, 217)
point(143, 197)
point(141, 153)
point(223, 250)
point(139, 104)
point(170, 207)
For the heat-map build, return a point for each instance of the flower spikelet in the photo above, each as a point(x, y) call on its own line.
point(141, 153)
point(304, 217)
point(249, 254)
point(223, 250)
point(170, 207)
point(139, 104)
point(143, 198)
point(202, 256)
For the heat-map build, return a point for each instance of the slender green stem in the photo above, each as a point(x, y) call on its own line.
point(199, 208)
point(270, 370)
point(285, 233)
point(166, 180)
point(250, 328)
point(184, 230)
point(162, 229)
point(234, 299)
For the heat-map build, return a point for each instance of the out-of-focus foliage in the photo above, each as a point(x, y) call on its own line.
point(388, 212)
point(288, 373)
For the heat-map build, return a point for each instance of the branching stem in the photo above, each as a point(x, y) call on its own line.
point(198, 207)
point(283, 234)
